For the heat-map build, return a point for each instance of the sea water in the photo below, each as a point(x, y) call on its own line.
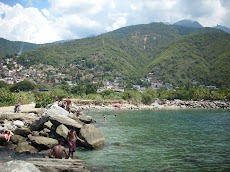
point(158, 140)
point(162, 140)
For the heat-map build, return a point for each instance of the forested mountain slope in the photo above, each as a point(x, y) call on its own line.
point(173, 53)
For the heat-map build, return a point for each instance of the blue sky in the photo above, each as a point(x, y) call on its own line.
point(42, 21)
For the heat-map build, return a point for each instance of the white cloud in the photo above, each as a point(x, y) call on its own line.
point(119, 22)
point(70, 19)
point(25, 24)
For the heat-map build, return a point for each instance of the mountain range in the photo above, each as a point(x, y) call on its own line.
point(173, 53)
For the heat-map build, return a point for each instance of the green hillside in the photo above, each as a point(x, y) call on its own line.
point(15, 47)
point(173, 53)
point(201, 57)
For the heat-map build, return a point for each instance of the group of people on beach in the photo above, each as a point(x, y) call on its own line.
point(58, 150)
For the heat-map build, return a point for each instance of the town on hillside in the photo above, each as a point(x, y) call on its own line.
point(12, 72)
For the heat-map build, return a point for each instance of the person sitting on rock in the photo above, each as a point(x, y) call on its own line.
point(72, 142)
point(6, 134)
point(57, 151)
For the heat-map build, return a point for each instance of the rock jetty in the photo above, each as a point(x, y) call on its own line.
point(42, 132)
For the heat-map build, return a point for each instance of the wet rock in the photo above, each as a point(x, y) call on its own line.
point(17, 139)
point(57, 120)
point(18, 166)
point(41, 142)
point(24, 147)
point(58, 165)
point(62, 130)
point(93, 137)
point(22, 131)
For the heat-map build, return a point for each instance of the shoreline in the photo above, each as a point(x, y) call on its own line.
point(30, 109)
point(166, 105)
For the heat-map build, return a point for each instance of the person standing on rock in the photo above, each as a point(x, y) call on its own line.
point(57, 151)
point(72, 142)
point(68, 104)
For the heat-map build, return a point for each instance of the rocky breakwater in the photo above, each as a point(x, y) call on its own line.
point(43, 133)
point(197, 104)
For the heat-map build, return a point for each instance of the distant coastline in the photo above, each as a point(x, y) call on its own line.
point(85, 105)
point(168, 104)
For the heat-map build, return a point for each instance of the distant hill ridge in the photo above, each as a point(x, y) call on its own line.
point(173, 53)
point(189, 23)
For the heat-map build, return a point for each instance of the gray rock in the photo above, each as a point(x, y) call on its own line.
point(57, 120)
point(62, 130)
point(18, 123)
point(53, 110)
point(22, 131)
point(43, 142)
point(87, 119)
point(35, 133)
point(93, 137)
point(24, 147)
point(17, 139)
point(38, 124)
point(48, 125)
point(18, 166)
point(58, 165)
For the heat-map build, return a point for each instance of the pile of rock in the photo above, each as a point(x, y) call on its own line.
point(44, 132)
point(199, 104)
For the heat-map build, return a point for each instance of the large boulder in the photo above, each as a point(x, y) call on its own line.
point(18, 123)
point(24, 147)
point(17, 139)
point(57, 120)
point(18, 166)
point(38, 124)
point(54, 109)
point(86, 119)
point(41, 142)
point(22, 131)
point(93, 137)
point(62, 130)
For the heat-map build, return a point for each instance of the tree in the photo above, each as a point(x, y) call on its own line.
point(22, 86)
point(3, 84)
point(91, 88)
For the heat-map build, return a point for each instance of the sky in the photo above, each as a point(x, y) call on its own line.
point(43, 21)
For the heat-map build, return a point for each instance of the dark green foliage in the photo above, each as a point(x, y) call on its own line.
point(22, 86)
point(15, 47)
point(3, 84)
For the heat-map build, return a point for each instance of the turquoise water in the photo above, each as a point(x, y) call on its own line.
point(162, 140)
point(158, 140)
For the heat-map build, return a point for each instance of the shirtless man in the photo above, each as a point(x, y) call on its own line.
point(72, 142)
point(57, 151)
point(68, 104)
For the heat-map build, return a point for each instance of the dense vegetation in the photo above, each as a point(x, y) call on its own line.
point(9, 97)
point(15, 47)
point(175, 54)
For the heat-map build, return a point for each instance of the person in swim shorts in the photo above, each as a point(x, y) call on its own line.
point(72, 142)
point(57, 151)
